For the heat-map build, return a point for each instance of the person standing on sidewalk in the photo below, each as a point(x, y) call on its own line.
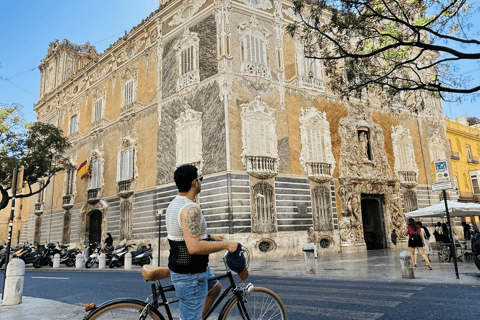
point(190, 246)
point(312, 237)
point(415, 240)
point(427, 248)
point(394, 237)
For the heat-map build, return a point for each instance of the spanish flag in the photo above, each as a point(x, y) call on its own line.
point(83, 170)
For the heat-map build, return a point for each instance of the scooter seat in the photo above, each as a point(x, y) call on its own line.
point(152, 273)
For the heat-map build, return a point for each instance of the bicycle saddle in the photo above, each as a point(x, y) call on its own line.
point(152, 273)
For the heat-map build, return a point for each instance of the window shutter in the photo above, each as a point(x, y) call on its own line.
point(262, 52)
point(249, 49)
point(130, 163)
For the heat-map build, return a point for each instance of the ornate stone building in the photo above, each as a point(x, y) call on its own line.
point(221, 85)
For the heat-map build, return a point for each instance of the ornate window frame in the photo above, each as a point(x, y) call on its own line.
point(436, 147)
point(258, 4)
point(97, 166)
point(69, 187)
point(73, 124)
point(405, 165)
point(187, 49)
point(264, 215)
point(126, 220)
point(186, 10)
point(319, 170)
point(129, 75)
point(188, 127)
point(99, 98)
point(306, 79)
point(126, 187)
point(258, 116)
point(322, 208)
point(246, 31)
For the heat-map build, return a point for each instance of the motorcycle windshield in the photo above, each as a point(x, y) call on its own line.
point(121, 244)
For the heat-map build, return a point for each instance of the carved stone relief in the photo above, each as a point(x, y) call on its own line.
point(436, 146)
point(86, 209)
point(126, 220)
point(405, 165)
point(187, 49)
point(258, 4)
point(186, 10)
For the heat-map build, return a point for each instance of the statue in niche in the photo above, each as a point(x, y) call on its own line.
point(363, 138)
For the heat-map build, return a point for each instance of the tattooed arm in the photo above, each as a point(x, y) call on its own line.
point(191, 225)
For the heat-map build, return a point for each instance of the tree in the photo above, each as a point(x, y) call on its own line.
point(38, 147)
point(393, 47)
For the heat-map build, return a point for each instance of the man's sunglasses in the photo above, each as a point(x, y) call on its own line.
point(200, 178)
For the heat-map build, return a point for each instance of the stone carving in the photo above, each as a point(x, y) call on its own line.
point(259, 139)
point(87, 208)
point(363, 137)
point(405, 165)
point(316, 157)
point(436, 146)
point(258, 4)
point(186, 10)
point(322, 211)
point(410, 200)
point(126, 220)
point(188, 129)
point(264, 216)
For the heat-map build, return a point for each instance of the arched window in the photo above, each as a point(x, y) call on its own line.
point(264, 216)
point(254, 44)
point(187, 57)
point(322, 209)
point(126, 220)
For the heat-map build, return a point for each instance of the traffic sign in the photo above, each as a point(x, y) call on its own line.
point(442, 186)
point(441, 171)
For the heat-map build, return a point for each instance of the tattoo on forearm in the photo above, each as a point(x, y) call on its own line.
point(193, 221)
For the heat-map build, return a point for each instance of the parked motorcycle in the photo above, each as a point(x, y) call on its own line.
point(94, 257)
point(47, 257)
point(68, 256)
point(26, 253)
point(3, 251)
point(142, 256)
point(119, 254)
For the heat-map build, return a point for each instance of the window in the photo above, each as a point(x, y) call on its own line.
point(188, 61)
point(70, 182)
point(410, 201)
point(129, 92)
point(254, 48)
point(96, 174)
point(264, 217)
point(353, 78)
point(41, 193)
point(313, 68)
point(125, 168)
point(126, 220)
point(455, 182)
point(67, 218)
point(403, 149)
point(469, 153)
point(52, 121)
point(188, 128)
point(322, 211)
point(98, 109)
point(73, 124)
point(474, 177)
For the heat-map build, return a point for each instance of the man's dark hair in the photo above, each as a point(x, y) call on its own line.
point(184, 177)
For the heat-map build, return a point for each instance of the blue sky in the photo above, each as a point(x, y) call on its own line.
point(28, 26)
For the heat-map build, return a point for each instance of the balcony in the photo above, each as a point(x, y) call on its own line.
point(467, 197)
point(319, 171)
point(67, 203)
point(124, 189)
point(93, 195)
point(455, 155)
point(311, 83)
point(260, 167)
point(38, 208)
point(257, 70)
point(188, 79)
point(408, 179)
point(473, 160)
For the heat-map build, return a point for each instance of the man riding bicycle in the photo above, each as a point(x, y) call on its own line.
point(190, 246)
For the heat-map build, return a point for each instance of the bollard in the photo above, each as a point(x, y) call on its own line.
point(407, 265)
point(101, 261)
point(56, 261)
point(14, 282)
point(128, 261)
point(78, 261)
point(154, 261)
point(309, 252)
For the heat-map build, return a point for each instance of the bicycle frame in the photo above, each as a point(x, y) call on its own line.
point(158, 291)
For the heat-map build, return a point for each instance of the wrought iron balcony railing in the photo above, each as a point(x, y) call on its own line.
point(93, 195)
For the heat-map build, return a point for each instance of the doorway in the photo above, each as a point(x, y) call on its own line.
point(95, 228)
point(373, 222)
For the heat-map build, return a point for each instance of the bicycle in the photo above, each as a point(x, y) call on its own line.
point(244, 303)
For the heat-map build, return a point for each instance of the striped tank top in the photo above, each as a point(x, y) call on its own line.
point(180, 260)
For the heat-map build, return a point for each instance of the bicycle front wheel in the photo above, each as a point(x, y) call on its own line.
point(262, 303)
point(122, 310)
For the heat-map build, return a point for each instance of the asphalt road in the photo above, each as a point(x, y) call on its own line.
point(305, 298)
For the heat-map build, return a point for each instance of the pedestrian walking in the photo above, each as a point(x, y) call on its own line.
point(466, 231)
point(109, 240)
point(394, 237)
point(312, 237)
point(427, 248)
point(415, 240)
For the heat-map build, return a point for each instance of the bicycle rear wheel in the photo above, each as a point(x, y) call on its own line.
point(262, 303)
point(122, 310)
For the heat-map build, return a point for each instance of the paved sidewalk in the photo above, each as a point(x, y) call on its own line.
point(378, 265)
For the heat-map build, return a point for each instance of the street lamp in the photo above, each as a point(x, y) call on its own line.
point(159, 214)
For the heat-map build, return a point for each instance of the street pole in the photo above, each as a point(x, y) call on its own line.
point(452, 245)
point(10, 227)
point(159, 234)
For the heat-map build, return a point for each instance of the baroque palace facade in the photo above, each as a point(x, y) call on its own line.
point(221, 85)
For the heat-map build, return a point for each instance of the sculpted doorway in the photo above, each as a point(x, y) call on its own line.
point(373, 221)
point(95, 227)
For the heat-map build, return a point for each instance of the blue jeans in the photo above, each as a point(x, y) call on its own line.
point(192, 290)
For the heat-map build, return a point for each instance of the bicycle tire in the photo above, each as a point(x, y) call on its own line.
point(125, 310)
point(262, 303)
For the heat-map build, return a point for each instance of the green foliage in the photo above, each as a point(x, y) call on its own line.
point(38, 147)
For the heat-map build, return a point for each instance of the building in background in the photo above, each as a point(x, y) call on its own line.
point(222, 85)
